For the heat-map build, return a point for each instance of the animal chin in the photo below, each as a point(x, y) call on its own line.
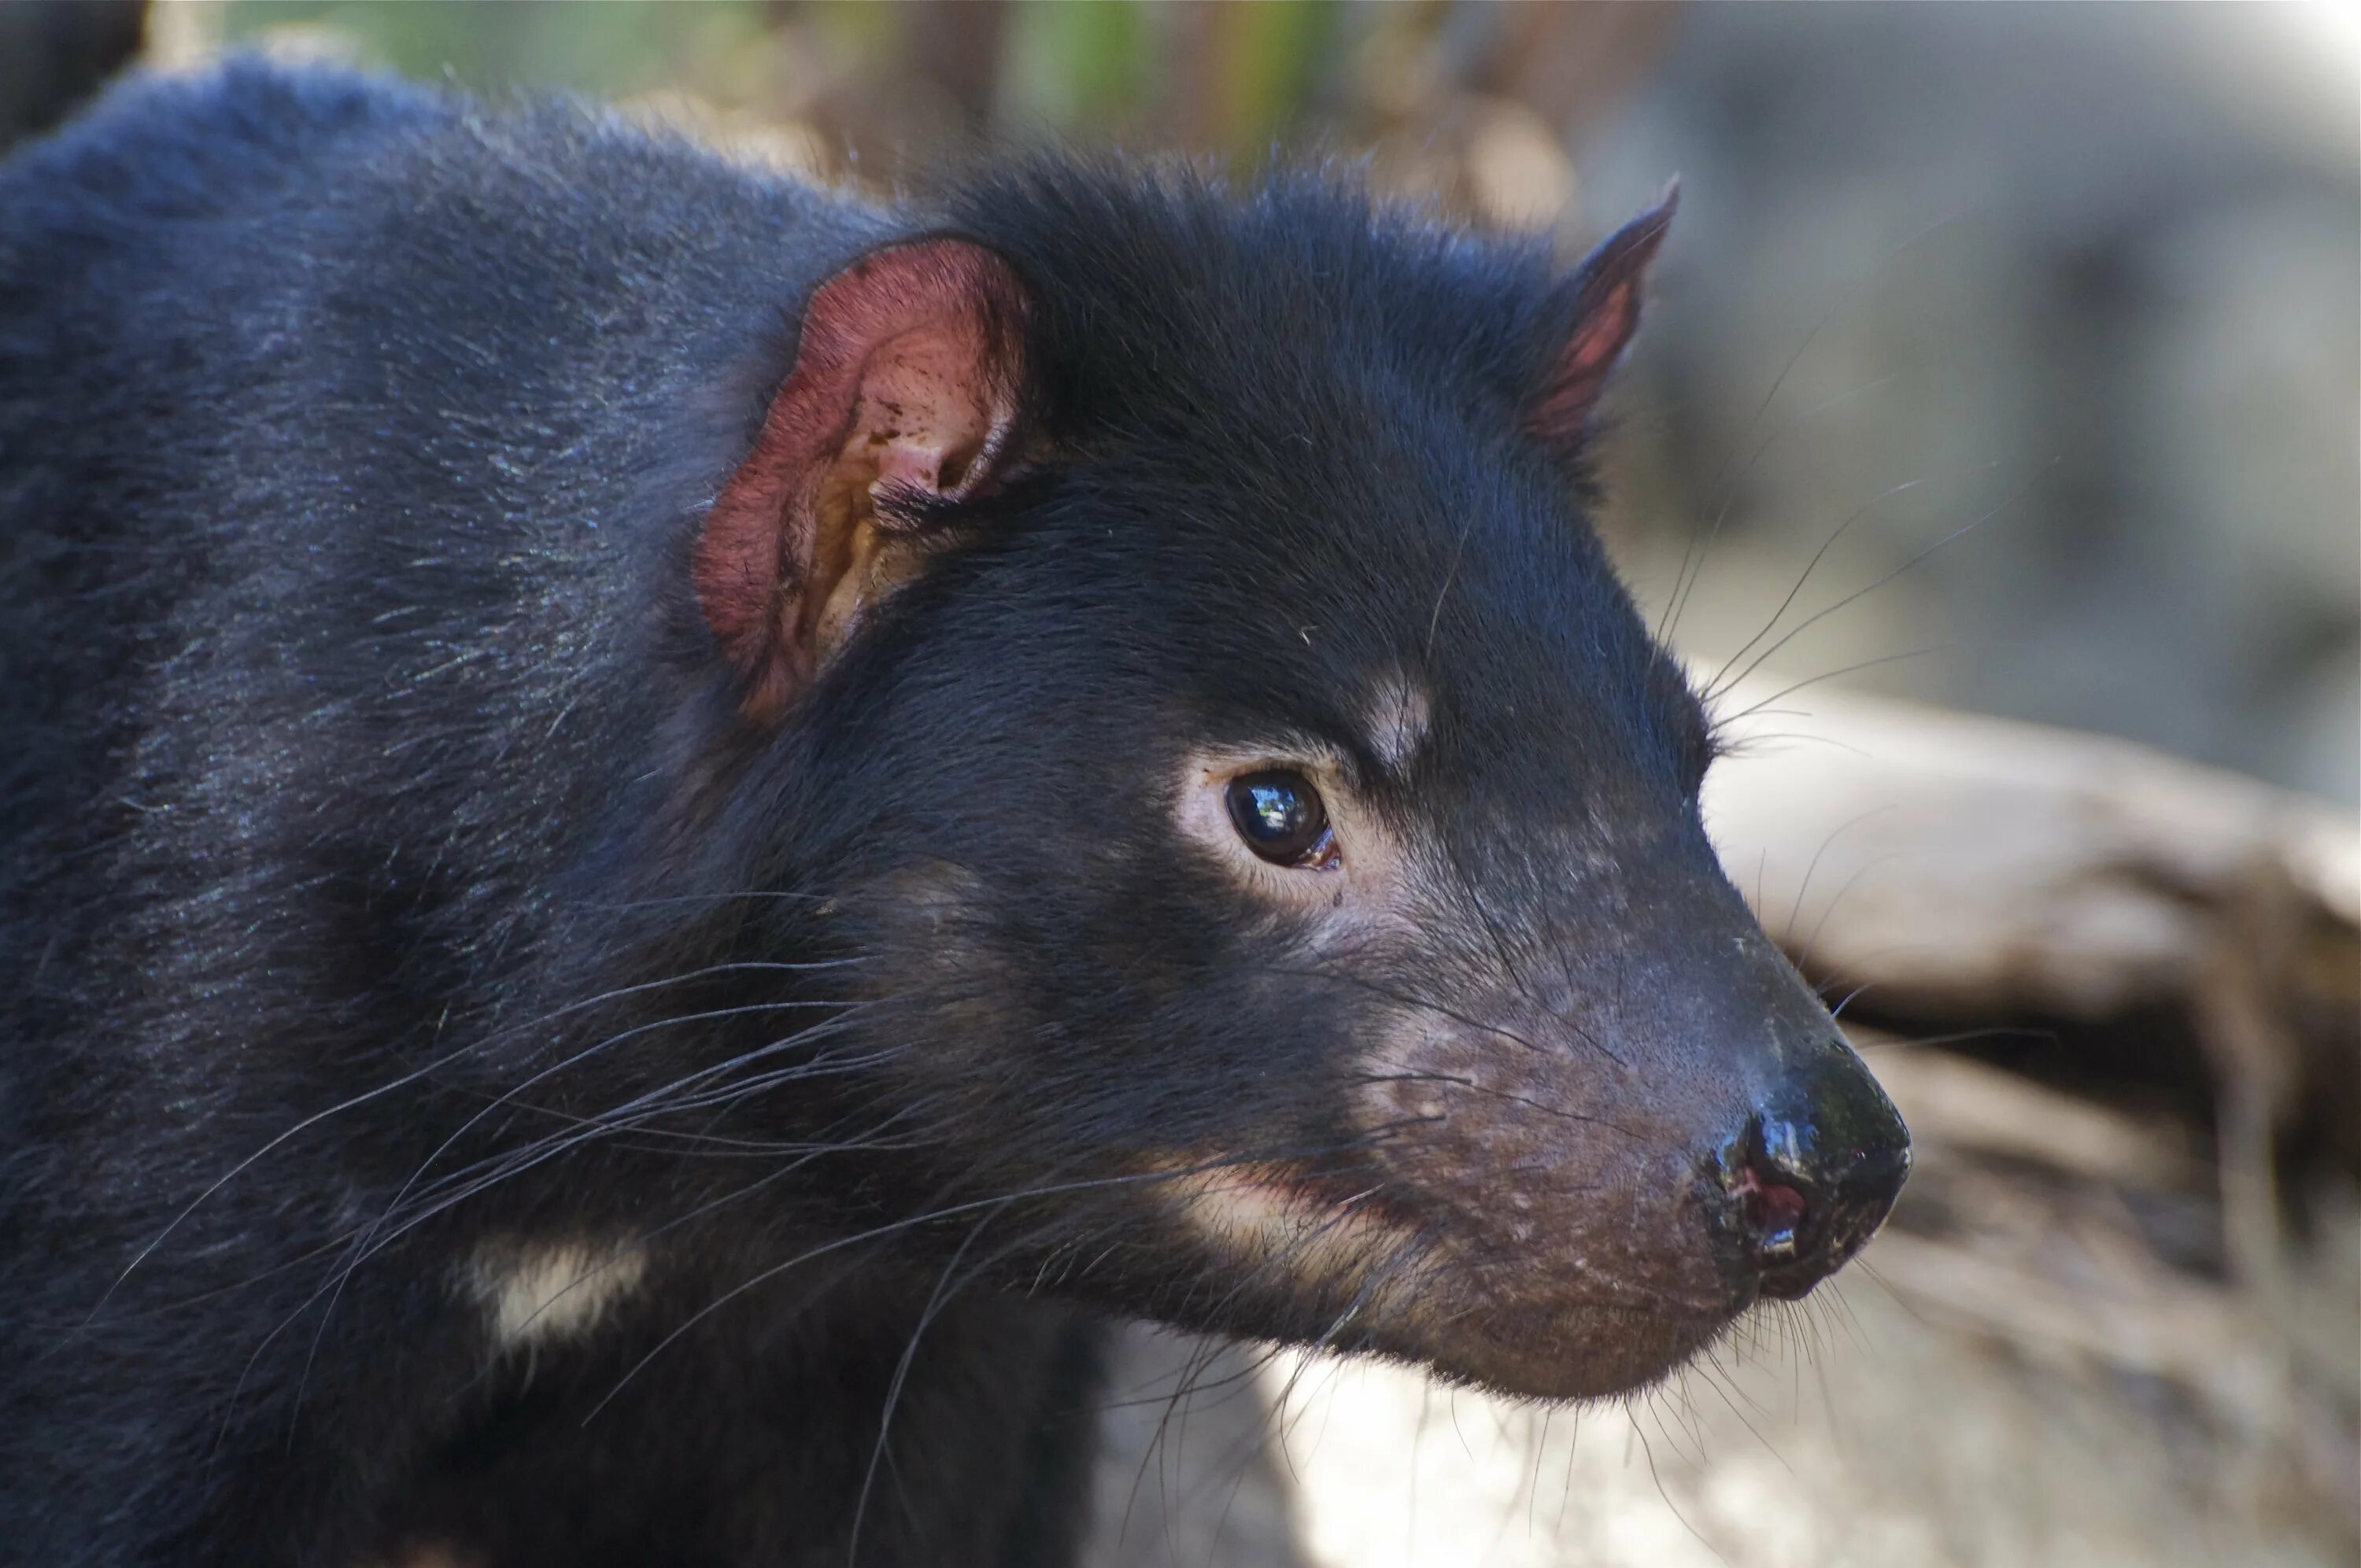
point(1587, 1351)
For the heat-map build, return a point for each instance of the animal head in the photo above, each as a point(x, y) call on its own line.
point(1181, 677)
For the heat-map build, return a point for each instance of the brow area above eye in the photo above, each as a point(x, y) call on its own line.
point(1395, 720)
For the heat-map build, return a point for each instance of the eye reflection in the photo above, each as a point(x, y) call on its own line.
point(1280, 817)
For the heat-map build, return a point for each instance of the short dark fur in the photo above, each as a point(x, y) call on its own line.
point(387, 871)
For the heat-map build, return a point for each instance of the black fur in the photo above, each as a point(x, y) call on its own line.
point(388, 872)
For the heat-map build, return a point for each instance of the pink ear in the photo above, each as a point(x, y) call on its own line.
point(907, 384)
point(1607, 292)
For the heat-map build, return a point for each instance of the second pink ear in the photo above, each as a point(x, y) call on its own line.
point(1608, 288)
point(907, 381)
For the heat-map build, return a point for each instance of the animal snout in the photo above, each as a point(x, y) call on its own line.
point(1811, 1175)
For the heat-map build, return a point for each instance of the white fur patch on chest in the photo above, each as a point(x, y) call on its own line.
point(543, 1292)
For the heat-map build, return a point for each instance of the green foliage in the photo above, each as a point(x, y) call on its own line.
point(608, 50)
point(1227, 77)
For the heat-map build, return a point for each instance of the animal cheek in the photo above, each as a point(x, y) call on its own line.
point(931, 959)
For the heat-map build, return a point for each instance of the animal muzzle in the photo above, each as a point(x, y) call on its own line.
point(1606, 1174)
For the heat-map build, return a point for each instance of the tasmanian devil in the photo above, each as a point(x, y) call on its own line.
point(659, 830)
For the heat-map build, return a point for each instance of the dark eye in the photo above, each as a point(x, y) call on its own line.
point(1279, 813)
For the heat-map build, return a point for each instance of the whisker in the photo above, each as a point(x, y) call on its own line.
point(1846, 670)
point(1803, 889)
point(414, 1076)
point(935, 1302)
point(1914, 562)
point(1809, 567)
point(893, 1227)
point(1684, 580)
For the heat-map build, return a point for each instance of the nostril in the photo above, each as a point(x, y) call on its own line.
point(1773, 1214)
point(1768, 1194)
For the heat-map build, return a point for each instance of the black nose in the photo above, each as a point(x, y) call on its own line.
point(1814, 1172)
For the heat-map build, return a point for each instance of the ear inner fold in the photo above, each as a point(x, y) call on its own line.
point(907, 384)
point(1607, 291)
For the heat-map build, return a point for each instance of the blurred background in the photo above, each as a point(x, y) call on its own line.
point(2091, 272)
point(2004, 360)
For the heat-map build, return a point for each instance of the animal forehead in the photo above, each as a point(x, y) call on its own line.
point(1388, 522)
point(1380, 650)
point(1518, 731)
